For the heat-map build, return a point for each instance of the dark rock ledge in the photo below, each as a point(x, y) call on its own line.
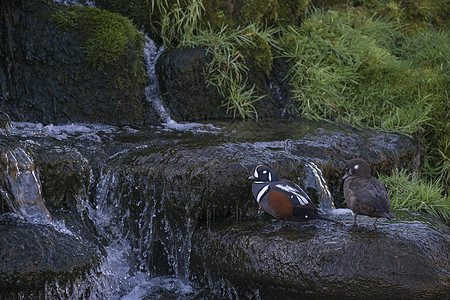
point(406, 258)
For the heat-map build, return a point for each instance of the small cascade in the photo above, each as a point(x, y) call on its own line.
point(133, 216)
point(153, 95)
point(151, 53)
point(325, 197)
point(21, 187)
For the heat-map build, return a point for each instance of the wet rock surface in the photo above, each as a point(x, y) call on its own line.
point(402, 259)
point(32, 255)
point(158, 187)
point(182, 75)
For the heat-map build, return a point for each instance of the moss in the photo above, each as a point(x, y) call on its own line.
point(258, 54)
point(137, 10)
point(217, 13)
point(291, 10)
point(258, 11)
point(105, 36)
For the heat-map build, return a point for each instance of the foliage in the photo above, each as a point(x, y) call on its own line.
point(105, 36)
point(417, 194)
point(227, 71)
point(240, 100)
point(343, 68)
point(363, 70)
point(430, 52)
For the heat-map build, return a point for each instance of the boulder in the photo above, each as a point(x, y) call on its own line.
point(160, 193)
point(182, 79)
point(406, 258)
point(32, 255)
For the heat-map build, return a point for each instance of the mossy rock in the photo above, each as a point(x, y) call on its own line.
point(76, 71)
point(105, 36)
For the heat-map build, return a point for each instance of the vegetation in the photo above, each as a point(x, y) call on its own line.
point(231, 50)
point(417, 194)
point(105, 36)
point(378, 64)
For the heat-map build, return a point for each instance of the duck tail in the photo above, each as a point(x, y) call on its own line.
point(389, 215)
point(302, 215)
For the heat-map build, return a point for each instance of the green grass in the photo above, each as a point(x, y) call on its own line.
point(343, 68)
point(241, 100)
point(417, 194)
point(181, 27)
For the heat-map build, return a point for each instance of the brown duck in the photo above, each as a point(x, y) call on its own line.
point(363, 194)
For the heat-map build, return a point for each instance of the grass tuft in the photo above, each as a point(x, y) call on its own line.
point(417, 194)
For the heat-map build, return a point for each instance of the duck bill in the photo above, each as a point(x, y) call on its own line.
point(345, 176)
point(251, 177)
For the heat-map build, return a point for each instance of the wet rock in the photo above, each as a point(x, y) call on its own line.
point(5, 122)
point(154, 186)
point(160, 193)
point(402, 259)
point(32, 255)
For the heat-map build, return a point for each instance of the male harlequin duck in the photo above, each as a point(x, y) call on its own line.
point(282, 198)
point(364, 195)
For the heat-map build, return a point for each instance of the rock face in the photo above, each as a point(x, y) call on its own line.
point(182, 79)
point(402, 259)
point(45, 78)
point(52, 240)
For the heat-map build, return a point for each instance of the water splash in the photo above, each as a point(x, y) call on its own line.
point(128, 214)
point(21, 187)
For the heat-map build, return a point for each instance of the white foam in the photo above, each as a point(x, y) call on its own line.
point(75, 2)
point(61, 132)
point(192, 127)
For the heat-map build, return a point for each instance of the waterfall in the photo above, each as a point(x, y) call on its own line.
point(151, 53)
point(153, 95)
point(128, 213)
point(21, 186)
point(325, 197)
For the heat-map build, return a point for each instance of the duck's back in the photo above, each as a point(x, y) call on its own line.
point(367, 196)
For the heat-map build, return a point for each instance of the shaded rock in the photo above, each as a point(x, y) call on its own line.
point(182, 80)
point(45, 78)
point(154, 186)
point(31, 255)
point(5, 122)
point(402, 259)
